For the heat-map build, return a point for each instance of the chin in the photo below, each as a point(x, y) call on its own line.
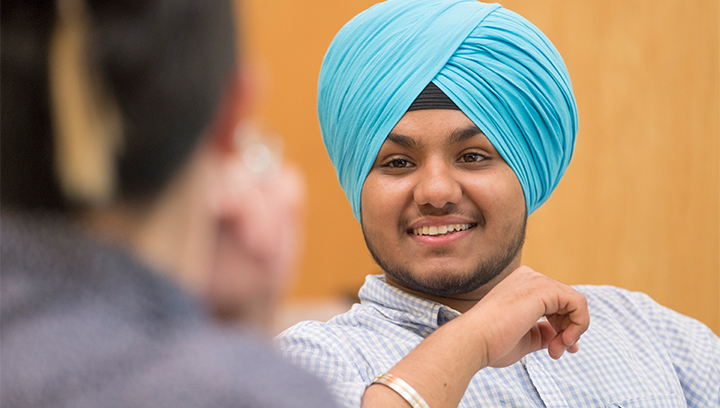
point(443, 283)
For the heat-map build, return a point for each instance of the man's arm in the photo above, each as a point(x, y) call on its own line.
point(497, 332)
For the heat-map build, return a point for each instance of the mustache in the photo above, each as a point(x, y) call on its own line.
point(473, 216)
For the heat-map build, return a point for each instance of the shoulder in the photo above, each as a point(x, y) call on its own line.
point(635, 326)
point(359, 322)
point(337, 337)
point(212, 366)
point(631, 305)
point(355, 344)
point(639, 315)
point(362, 328)
point(100, 356)
point(626, 307)
point(607, 292)
point(347, 351)
point(101, 330)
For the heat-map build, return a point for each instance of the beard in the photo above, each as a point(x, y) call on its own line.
point(442, 284)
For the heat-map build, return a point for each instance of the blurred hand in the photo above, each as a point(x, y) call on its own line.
point(258, 243)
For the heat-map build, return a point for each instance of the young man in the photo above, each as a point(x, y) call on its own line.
point(449, 122)
point(122, 178)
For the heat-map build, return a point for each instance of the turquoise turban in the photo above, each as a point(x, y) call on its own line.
point(498, 68)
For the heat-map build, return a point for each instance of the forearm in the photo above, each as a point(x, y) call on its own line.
point(439, 368)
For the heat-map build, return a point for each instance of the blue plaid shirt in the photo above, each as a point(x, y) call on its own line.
point(636, 353)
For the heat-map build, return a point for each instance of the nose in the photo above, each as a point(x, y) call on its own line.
point(437, 185)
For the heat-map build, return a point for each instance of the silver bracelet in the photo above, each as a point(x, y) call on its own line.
point(402, 388)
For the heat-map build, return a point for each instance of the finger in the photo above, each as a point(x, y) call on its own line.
point(572, 333)
point(537, 338)
point(547, 333)
point(572, 320)
point(545, 336)
point(561, 343)
point(259, 228)
point(556, 347)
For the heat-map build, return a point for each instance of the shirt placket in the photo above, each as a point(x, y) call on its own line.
point(544, 382)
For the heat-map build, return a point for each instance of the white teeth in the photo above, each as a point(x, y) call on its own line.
point(439, 230)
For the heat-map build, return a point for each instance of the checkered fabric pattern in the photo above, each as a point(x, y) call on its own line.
point(636, 353)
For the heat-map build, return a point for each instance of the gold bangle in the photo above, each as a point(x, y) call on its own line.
point(402, 388)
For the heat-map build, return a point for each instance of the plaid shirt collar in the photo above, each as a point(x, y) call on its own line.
point(403, 307)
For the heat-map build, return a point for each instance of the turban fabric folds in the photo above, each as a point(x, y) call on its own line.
point(499, 69)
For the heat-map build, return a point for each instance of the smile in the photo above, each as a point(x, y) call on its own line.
point(441, 229)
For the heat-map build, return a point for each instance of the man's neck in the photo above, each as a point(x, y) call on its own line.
point(169, 233)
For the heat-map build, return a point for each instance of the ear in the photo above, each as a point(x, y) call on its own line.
point(234, 108)
point(221, 144)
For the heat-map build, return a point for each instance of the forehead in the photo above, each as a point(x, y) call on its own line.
point(433, 126)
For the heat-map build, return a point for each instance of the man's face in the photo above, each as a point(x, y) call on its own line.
point(442, 212)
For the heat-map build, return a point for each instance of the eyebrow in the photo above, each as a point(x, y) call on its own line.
point(404, 141)
point(457, 136)
point(463, 134)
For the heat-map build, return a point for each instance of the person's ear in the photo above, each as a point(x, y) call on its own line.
point(222, 141)
point(234, 108)
point(244, 90)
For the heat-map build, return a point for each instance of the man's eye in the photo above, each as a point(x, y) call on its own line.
point(471, 157)
point(397, 163)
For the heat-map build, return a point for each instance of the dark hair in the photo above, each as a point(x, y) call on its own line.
point(165, 63)
point(26, 145)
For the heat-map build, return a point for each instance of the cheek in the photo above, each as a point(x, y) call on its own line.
point(378, 197)
point(515, 190)
point(512, 189)
point(367, 203)
point(499, 190)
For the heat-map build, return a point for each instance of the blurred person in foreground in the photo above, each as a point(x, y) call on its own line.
point(449, 122)
point(123, 181)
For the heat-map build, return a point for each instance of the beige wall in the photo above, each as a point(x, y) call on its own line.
point(639, 207)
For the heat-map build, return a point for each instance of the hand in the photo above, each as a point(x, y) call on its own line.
point(496, 332)
point(258, 244)
point(511, 310)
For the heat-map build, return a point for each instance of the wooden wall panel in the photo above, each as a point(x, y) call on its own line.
point(640, 204)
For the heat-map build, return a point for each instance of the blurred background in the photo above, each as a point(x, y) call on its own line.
point(640, 204)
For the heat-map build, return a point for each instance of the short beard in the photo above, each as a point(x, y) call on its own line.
point(443, 285)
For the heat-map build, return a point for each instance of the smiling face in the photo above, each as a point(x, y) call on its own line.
point(442, 212)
